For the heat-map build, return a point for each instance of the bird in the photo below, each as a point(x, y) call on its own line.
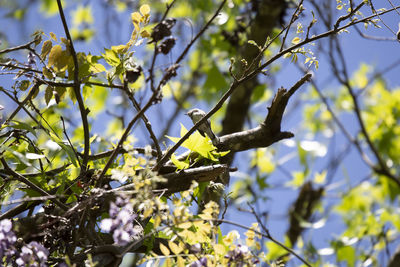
point(205, 128)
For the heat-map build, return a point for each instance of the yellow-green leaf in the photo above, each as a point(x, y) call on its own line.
point(274, 251)
point(219, 249)
point(47, 73)
point(180, 165)
point(82, 15)
point(96, 68)
point(55, 54)
point(347, 254)
point(320, 177)
point(174, 248)
point(135, 16)
point(111, 57)
point(48, 94)
point(23, 85)
point(145, 9)
point(119, 48)
point(298, 179)
point(46, 47)
point(53, 36)
point(164, 250)
point(145, 34)
point(180, 262)
point(185, 225)
point(296, 40)
point(64, 41)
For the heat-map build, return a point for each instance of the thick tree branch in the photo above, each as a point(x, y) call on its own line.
point(235, 84)
point(15, 48)
point(268, 16)
point(395, 259)
point(263, 135)
point(302, 210)
point(180, 181)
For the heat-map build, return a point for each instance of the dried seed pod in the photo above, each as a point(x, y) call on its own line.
point(167, 45)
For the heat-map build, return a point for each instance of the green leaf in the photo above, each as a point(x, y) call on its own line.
point(275, 251)
point(199, 144)
point(214, 83)
point(65, 148)
point(23, 85)
point(82, 15)
point(347, 254)
point(252, 42)
point(58, 58)
point(23, 163)
point(96, 68)
point(320, 177)
point(50, 7)
point(180, 165)
point(298, 179)
point(46, 48)
point(261, 181)
point(219, 154)
point(48, 94)
point(55, 54)
point(96, 98)
point(111, 57)
point(23, 126)
point(302, 155)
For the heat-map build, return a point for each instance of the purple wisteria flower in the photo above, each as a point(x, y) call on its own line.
point(121, 222)
point(7, 239)
point(31, 59)
point(33, 255)
point(237, 255)
point(200, 263)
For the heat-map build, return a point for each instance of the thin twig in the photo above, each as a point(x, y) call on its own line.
point(26, 111)
point(77, 85)
point(353, 11)
point(33, 186)
point(200, 33)
point(106, 154)
point(394, 7)
point(145, 120)
point(378, 15)
point(155, 53)
point(375, 38)
point(11, 66)
point(382, 169)
point(69, 141)
point(15, 48)
point(52, 172)
point(266, 235)
point(28, 199)
point(294, 17)
point(32, 92)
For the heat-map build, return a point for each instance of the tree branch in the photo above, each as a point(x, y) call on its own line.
point(182, 180)
point(77, 90)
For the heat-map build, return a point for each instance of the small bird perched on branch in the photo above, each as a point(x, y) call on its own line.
point(205, 128)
